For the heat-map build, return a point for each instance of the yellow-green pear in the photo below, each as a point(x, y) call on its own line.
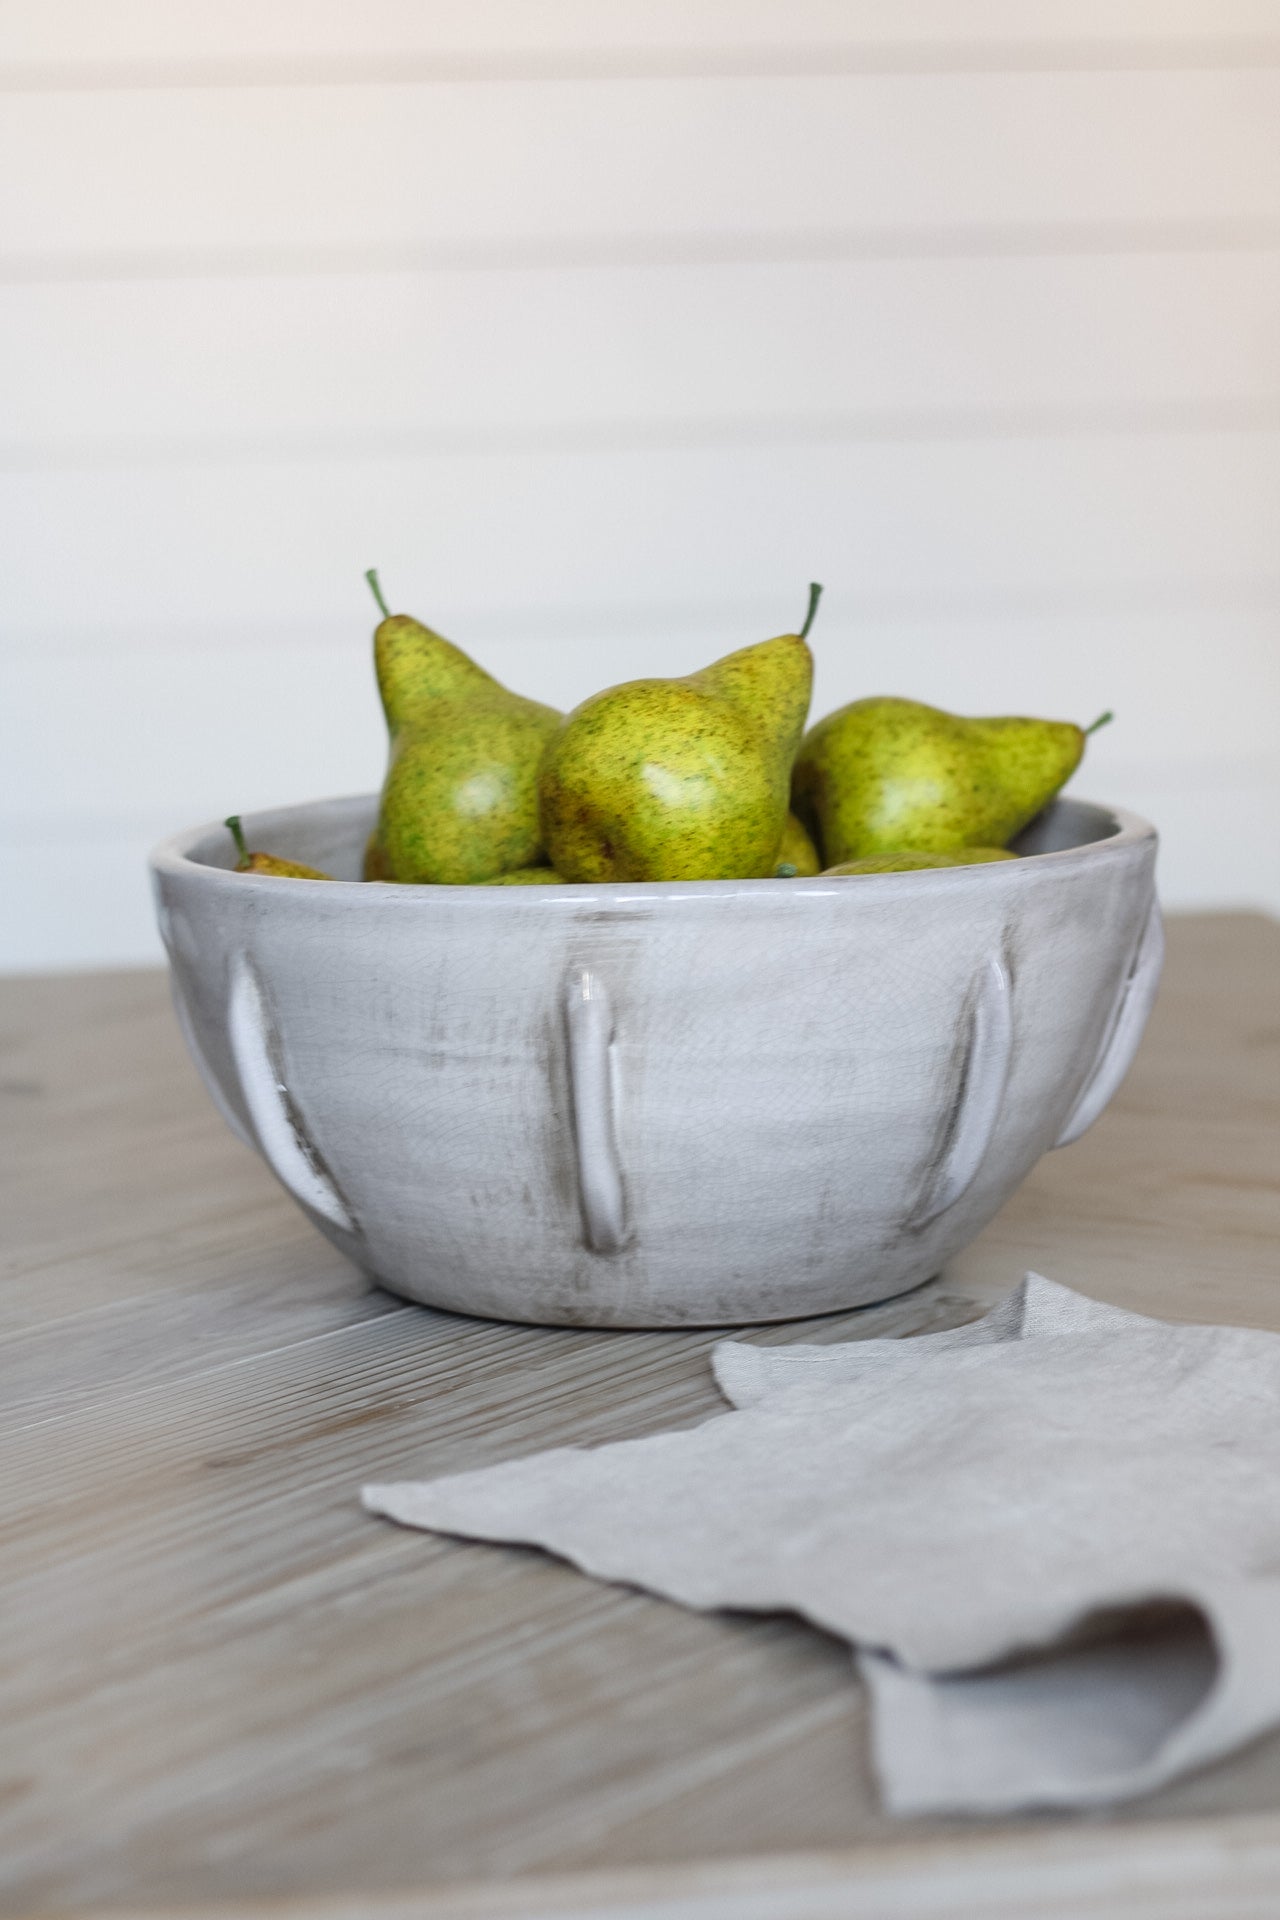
point(527, 877)
point(884, 774)
point(909, 860)
point(247, 862)
point(459, 802)
point(375, 860)
point(680, 779)
point(797, 857)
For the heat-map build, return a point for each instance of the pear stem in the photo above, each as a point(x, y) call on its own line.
point(372, 577)
point(1103, 720)
point(232, 823)
point(815, 594)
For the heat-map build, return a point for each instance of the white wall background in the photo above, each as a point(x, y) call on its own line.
point(602, 326)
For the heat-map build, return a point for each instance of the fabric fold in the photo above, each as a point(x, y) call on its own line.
point(1053, 1536)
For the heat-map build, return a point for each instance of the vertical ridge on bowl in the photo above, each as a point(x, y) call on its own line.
point(690, 1104)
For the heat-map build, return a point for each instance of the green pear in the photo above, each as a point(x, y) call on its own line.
point(460, 800)
point(796, 855)
point(247, 862)
point(907, 860)
point(680, 779)
point(527, 877)
point(884, 774)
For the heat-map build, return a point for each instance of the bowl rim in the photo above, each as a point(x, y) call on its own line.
point(172, 857)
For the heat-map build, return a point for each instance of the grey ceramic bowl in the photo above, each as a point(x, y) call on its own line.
point(660, 1105)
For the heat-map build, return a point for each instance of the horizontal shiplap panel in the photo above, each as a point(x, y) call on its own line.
point(66, 36)
point(101, 174)
point(160, 367)
point(231, 541)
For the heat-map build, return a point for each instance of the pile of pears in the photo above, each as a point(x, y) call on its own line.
point(708, 777)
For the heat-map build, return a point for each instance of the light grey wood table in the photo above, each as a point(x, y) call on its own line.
point(224, 1685)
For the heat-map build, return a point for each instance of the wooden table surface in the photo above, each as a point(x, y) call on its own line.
point(223, 1683)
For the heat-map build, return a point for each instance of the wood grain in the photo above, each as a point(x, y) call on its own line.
point(227, 1684)
point(1203, 1870)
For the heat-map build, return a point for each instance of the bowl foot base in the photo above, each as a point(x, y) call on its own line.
point(556, 1311)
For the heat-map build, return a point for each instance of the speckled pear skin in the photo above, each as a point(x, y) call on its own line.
point(906, 860)
point(282, 869)
point(527, 877)
point(881, 775)
point(374, 866)
point(679, 779)
point(797, 852)
point(459, 803)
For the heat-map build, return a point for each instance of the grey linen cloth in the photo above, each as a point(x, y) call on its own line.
point(1053, 1537)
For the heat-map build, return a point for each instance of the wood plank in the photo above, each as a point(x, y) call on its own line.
point(179, 366)
point(477, 164)
point(1202, 1870)
point(245, 1688)
point(97, 1066)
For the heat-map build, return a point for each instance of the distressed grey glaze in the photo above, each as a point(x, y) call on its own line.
point(593, 1082)
point(988, 1057)
point(660, 1105)
point(1133, 1008)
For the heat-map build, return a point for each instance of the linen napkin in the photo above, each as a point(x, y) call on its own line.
point(1053, 1537)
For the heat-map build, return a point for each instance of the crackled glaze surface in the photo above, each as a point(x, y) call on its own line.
point(660, 1105)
